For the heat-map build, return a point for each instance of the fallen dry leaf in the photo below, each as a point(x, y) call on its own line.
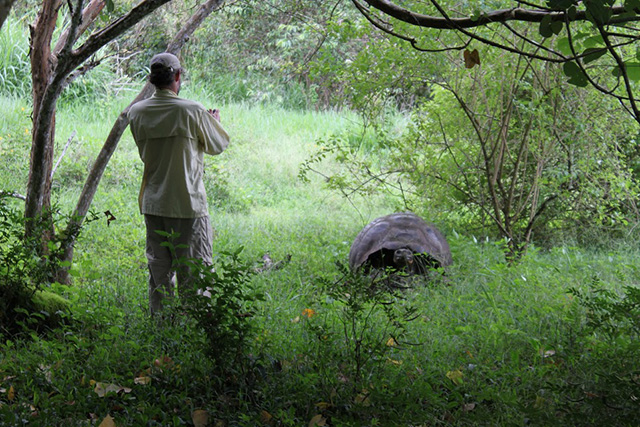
point(318, 420)
point(11, 394)
point(468, 407)
point(107, 422)
point(363, 398)
point(455, 376)
point(200, 418)
point(265, 417)
point(101, 389)
point(144, 380)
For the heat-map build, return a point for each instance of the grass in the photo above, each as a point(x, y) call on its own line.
point(496, 345)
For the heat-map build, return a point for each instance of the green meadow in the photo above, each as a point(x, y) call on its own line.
point(547, 341)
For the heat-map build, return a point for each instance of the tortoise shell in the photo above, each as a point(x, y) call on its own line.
point(389, 238)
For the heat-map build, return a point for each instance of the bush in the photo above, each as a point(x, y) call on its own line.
point(24, 274)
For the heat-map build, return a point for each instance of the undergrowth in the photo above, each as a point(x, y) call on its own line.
point(551, 339)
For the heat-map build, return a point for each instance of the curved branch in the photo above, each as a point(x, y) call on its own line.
point(100, 38)
point(497, 16)
point(623, 70)
point(414, 44)
point(89, 14)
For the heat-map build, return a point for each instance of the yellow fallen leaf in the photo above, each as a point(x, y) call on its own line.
point(323, 405)
point(142, 380)
point(101, 389)
point(265, 417)
point(395, 362)
point(295, 319)
point(318, 420)
point(11, 394)
point(107, 422)
point(363, 398)
point(455, 376)
point(391, 342)
point(200, 418)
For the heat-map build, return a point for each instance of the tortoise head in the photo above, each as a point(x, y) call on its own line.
point(403, 259)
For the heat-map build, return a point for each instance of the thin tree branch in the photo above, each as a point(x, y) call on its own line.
point(64, 151)
point(497, 16)
point(89, 14)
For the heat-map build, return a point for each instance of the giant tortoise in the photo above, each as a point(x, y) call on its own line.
point(402, 241)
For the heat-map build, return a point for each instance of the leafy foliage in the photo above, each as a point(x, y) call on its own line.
point(23, 274)
point(481, 153)
point(223, 308)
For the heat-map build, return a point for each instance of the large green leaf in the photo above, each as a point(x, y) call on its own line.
point(632, 69)
point(631, 5)
point(545, 27)
point(575, 74)
point(593, 54)
point(599, 11)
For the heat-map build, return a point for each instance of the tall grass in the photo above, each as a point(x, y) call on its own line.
point(15, 77)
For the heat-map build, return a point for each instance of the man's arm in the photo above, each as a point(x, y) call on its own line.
point(212, 135)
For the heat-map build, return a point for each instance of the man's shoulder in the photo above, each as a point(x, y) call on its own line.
point(189, 104)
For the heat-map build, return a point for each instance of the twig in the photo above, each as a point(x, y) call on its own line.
point(64, 150)
point(12, 194)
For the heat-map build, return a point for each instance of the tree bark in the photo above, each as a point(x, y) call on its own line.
point(118, 128)
point(5, 8)
point(41, 161)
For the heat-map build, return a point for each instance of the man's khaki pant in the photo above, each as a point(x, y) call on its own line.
point(193, 239)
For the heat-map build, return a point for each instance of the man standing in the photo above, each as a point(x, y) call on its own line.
point(172, 135)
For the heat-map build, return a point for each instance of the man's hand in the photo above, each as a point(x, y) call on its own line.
point(215, 113)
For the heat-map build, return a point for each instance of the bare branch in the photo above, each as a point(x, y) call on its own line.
point(100, 38)
point(497, 16)
point(89, 14)
point(13, 194)
point(64, 151)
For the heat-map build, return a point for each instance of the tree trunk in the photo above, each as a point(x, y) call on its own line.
point(5, 8)
point(110, 144)
point(41, 161)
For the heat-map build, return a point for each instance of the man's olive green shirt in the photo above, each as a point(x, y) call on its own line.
point(172, 135)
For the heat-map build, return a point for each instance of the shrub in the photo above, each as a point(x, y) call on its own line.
point(24, 275)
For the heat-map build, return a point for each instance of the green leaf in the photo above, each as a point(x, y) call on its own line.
point(563, 45)
point(631, 5)
point(545, 27)
point(572, 12)
point(593, 41)
point(575, 74)
point(598, 11)
point(593, 54)
point(559, 4)
point(633, 70)
point(556, 27)
point(110, 6)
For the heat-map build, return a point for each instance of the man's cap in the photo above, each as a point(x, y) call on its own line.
point(163, 61)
